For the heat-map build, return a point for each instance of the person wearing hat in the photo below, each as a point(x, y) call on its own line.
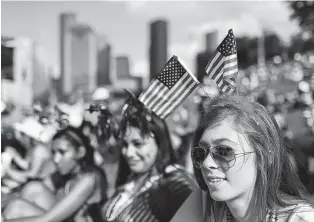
point(12, 153)
point(76, 193)
point(38, 162)
point(155, 187)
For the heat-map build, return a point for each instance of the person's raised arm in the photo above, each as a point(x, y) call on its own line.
point(39, 158)
point(68, 205)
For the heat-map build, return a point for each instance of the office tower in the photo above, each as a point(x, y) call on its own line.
point(202, 58)
point(27, 71)
point(211, 41)
point(84, 58)
point(67, 20)
point(104, 62)
point(158, 54)
point(122, 67)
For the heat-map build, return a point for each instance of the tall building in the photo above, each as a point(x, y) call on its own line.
point(27, 71)
point(67, 20)
point(104, 62)
point(202, 58)
point(83, 58)
point(211, 41)
point(122, 67)
point(158, 52)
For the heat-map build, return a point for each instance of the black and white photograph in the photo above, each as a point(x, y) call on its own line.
point(157, 111)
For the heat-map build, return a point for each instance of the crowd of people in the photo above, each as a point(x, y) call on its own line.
point(125, 166)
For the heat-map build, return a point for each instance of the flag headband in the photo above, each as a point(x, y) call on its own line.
point(168, 90)
point(106, 125)
point(222, 68)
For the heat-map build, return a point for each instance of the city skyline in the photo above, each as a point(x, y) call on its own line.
point(126, 24)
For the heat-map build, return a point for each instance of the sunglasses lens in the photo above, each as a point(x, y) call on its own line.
point(221, 162)
point(198, 157)
point(224, 156)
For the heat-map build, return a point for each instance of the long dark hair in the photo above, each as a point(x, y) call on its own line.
point(135, 114)
point(277, 184)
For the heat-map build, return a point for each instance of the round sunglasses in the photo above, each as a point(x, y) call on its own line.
point(224, 156)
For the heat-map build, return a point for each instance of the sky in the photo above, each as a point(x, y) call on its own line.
point(126, 24)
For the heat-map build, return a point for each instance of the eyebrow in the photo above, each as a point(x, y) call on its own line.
point(216, 141)
point(137, 140)
point(60, 149)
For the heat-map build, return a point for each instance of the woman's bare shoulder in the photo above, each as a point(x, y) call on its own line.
point(302, 213)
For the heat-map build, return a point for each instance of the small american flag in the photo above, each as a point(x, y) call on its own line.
point(223, 66)
point(169, 89)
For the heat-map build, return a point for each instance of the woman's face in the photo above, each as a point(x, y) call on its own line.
point(64, 155)
point(139, 152)
point(240, 178)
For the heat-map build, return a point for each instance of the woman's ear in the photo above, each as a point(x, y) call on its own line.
point(81, 152)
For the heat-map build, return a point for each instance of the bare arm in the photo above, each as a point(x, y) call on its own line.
point(16, 175)
point(23, 163)
point(68, 205)
point(39, 157)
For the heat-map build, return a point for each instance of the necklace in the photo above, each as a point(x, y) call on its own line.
point(273, 216)
point(128, 197)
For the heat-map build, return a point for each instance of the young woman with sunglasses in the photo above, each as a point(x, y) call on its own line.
point(241, 165)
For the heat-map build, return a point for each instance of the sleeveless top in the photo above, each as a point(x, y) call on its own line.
point(92, 207)
point(301, 213)
point(194, 209)
point(157, 200)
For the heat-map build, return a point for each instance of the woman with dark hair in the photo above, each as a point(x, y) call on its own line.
point(155, 187)
point(242, 166)
point(79, 194)
point(12, 154)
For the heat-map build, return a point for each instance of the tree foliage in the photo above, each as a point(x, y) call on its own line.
point(303, 13)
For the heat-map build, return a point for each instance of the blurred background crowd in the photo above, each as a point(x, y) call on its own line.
point(279, 74)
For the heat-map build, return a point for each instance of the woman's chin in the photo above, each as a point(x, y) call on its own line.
point(218, 195)
point(138, 169)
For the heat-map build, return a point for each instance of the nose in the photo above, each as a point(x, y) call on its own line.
point(129, 151)
point(209, 162)
point(57, 157)
point(112, 141)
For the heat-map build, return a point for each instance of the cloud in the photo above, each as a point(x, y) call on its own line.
point(141, 68)
point(187, 52)
point(135, 6)
point(165, 8)
point(245, 24)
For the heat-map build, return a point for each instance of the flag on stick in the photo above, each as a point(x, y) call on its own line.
point(169, 89)
point(223, 66)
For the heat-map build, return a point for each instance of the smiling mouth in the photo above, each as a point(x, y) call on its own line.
point(216, 180)
point(132, 162)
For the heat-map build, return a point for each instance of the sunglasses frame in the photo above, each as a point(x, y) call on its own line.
point(198, 165)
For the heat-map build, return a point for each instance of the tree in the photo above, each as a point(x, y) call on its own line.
point(273, 46)
point(303, 12)
point(298, 44)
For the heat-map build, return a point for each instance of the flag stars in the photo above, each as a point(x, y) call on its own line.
point(228, 46)
point(171, 74)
